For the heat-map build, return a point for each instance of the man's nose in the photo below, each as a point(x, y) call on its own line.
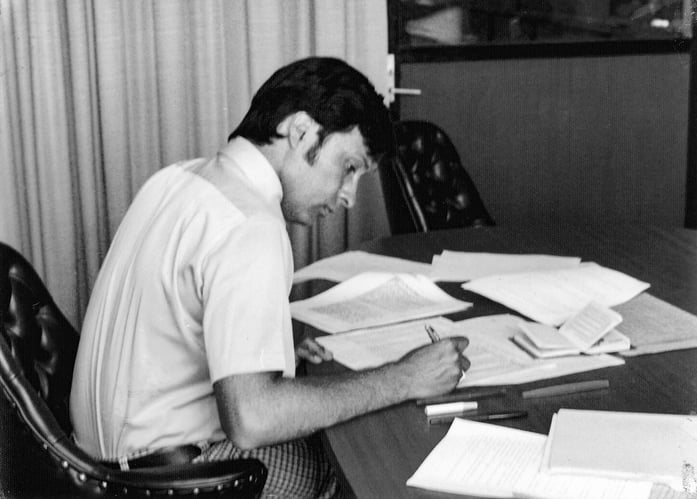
point(347, 193)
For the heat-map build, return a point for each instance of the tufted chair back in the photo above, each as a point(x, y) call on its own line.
point(37, 353)
point(427, 187)
point(36, 336)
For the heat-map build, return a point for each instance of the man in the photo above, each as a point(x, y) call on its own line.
point(187, 337)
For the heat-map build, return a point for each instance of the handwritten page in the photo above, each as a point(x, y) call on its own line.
point(551, 297)
point(627, 445)
point(588, 325)
point(374, 347)
point(351, 263)
point(494, 461)
point(460, 266)
point(375, 299)
point(366, 348)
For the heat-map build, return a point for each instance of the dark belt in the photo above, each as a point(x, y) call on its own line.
point(180, 454)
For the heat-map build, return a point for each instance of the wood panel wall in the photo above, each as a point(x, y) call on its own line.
point(574, 140)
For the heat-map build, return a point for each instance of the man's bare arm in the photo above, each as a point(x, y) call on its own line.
point(264, 408)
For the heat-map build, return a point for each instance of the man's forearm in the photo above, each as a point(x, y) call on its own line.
point(263, 408)
point(281, 409)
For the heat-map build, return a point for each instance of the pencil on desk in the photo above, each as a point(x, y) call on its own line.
point(566, 389)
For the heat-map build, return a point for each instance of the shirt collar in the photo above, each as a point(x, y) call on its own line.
point(254, 165)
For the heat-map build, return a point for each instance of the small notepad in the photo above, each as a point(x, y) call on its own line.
point(590, 331)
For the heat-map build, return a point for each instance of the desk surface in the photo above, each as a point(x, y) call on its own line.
point(379, 451)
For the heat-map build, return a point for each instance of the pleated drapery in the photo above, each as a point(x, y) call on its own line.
point(97, 95)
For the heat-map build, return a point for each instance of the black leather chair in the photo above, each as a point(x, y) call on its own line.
point(37, 353)
point(426, 187)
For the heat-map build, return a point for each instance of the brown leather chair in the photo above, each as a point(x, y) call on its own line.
point(39, 459)
point(426, 187)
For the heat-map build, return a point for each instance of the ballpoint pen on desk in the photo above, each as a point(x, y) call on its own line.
point(482, 416)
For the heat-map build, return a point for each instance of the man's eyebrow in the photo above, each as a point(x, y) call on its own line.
point(368, 164)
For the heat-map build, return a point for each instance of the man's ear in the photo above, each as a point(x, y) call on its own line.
point(295, 126)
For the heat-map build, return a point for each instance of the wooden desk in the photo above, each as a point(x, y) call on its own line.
point(379, 451)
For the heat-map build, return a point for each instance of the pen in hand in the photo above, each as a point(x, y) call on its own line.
point(431, 333)
point(435, 337)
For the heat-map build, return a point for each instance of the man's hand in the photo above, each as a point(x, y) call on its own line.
point(436, 368)
point(308, 349)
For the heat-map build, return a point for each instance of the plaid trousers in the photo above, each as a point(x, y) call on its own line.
point(298, 469)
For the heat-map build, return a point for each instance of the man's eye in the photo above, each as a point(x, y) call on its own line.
point(350, 168)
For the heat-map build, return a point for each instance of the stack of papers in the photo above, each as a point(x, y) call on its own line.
point(449, 266)
point(494, 461)
point(460, 266)
point(375, 299)
point(654, 325)
point(590, 331)
point(551, 297)
point(660, 448)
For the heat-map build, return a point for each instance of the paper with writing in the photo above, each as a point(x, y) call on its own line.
point(375, 299)
point(494, 461)
point(587, 326)
point(366, 348)
point(627, 445)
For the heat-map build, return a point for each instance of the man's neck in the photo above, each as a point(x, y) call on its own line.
point(274, 153)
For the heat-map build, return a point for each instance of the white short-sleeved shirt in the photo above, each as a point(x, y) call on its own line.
point(193, 289)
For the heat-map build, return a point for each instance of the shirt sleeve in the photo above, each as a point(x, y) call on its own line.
point(246, 319)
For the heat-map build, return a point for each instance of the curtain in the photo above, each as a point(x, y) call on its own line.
point(95, 96)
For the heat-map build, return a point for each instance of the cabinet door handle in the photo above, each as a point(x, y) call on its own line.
point(392, 91)
point(406, 91)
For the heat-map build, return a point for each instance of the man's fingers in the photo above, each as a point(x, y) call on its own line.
point(464, 363)
point(460, 342)
point(310, 350)
point(319, 350)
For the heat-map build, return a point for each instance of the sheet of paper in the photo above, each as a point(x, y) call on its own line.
point(627, 445)
point(375, 299)
point(351, 263)
point(654, 325)
point(551, 297)
point(460, 266)
point(495, 461)
point(366, 348)
point(374, 347)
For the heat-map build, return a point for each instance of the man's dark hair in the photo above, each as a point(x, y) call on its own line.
point(334, 94)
